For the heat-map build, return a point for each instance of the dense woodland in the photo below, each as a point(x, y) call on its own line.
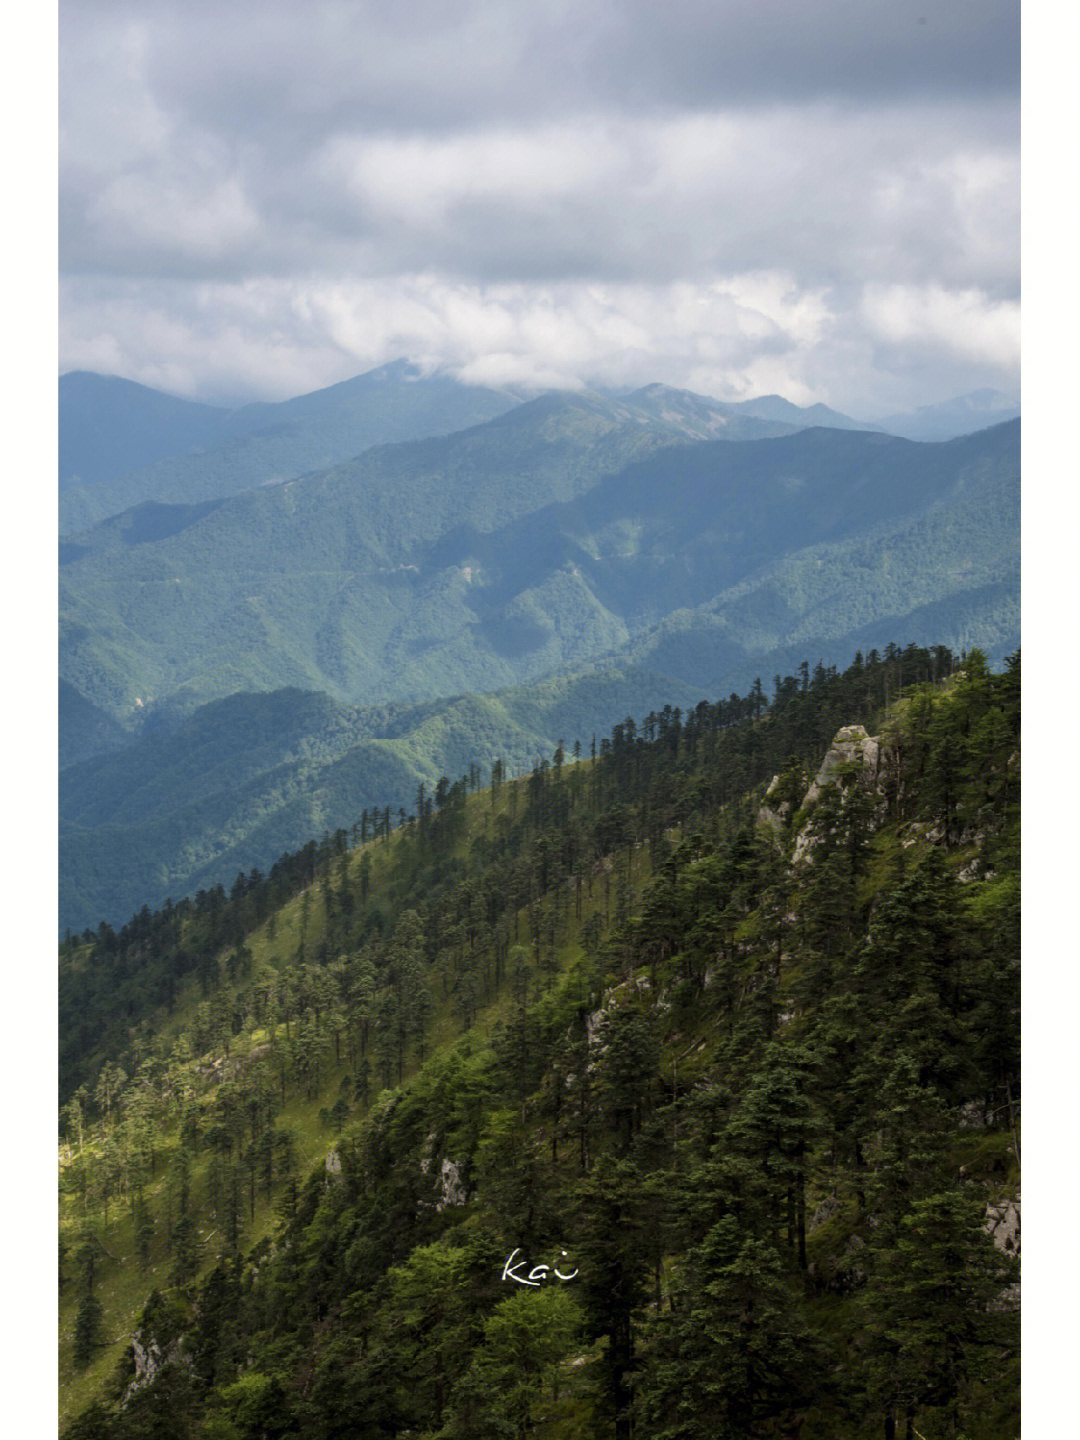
point(744, 1064)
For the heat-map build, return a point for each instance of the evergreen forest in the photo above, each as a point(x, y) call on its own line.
point(668, 1090)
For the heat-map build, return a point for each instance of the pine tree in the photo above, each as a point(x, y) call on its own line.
point(934, 1312)
point(89, 1334)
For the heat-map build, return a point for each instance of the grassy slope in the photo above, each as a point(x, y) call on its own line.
point(694, 1044)
point(123, 1287)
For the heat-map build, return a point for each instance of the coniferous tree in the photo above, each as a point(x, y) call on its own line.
point(89, 1331)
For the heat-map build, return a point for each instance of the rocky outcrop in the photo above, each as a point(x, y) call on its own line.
point(452, 1186)
point(851, 746)
point(150, 1359)
point(1003, 1225)
point(452, 1189)
point(773, 817)
point(617, 995)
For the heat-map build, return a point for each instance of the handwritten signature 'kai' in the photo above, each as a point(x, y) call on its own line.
point(536, 1276)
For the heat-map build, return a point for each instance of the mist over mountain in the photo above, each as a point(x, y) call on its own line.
point(961, 415)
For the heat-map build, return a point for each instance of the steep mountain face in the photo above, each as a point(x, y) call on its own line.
point(123, 445)
point(714, 1041)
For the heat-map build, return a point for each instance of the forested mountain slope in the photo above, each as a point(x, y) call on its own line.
point(246, 778)
point(693, 570)
point(123, 445)
point(526, 546)
point(723, 1033)
point(324, 582)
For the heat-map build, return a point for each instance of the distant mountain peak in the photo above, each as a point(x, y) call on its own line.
point(949, 419)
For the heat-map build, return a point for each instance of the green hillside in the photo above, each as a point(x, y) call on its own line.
point(444, 610)
point(122, 445)
point(735, 1051)
point(245, 779)
point(323, 583)
point(524, 547)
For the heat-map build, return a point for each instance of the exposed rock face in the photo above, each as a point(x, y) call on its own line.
point(148, 1361)
point(851, 743)
point(976, 870)
point(1003, 1225)
point(614, 997)
point(973, 1116)
point(333, 1163)
point(453, 1189)
point(150, 1358)
point(451, 1186)
point(593, 1024)
point(773, 817)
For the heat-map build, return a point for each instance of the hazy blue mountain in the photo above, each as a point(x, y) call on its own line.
point(701, 418)
point(205, 453)
point(108, 426)
point(244, 779)
point(962, 415)
point(334, 582)
point(776, 408)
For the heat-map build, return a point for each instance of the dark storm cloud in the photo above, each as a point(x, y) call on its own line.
point(428, 64)
point(824, 176)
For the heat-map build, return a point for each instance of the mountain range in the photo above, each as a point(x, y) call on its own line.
point(122, 444)
point(241, 670)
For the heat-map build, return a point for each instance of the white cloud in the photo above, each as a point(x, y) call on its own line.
point(743, 335)
point(714, 196)
point(964, 324)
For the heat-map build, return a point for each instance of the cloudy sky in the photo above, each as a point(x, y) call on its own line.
point(816, 197)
